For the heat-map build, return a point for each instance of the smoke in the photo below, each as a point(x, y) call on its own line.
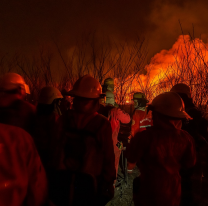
point(186, 57)
point(25, 24)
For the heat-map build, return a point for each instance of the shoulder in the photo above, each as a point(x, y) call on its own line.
point(194, 112)
point(145, 133)
point(143, 136)
point(101, 124)
point(186, 136)
point(15, 134)
point(101, 119)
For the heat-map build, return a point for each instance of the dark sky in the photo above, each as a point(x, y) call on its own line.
point(24, 24)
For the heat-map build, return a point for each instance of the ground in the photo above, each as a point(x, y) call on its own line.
point(123, 193)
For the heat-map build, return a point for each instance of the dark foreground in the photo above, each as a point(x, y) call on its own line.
point(123, 193)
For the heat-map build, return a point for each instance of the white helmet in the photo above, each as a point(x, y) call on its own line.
point(48, 94)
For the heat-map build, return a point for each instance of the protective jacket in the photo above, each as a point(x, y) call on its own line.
point(116, 116)
point(161, 152)
point(140, 121)
point(44, 134)
point(20, 113)
point(104, 171)
point(197, 127)
point(22, 176)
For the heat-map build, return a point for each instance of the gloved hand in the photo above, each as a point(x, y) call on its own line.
point(119, 145)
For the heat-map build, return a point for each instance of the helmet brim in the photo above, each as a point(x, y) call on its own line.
point(74, 93)
point(175, 114)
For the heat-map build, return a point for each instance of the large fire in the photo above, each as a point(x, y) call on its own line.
point(185, 62)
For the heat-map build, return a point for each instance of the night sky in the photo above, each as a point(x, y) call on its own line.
point(25, 24)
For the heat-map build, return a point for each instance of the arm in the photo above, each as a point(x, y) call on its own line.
point(189, 157)
point(123, 117)
point(136, 148)
point(109, 172)
point(37, 181)
point(109, 157)
point(135, 125)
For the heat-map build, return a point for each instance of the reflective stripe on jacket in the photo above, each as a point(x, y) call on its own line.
point(140, 121)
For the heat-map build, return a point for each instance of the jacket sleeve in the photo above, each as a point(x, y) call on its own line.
point(135, 125)
point(123, 117)
point(197, 127)
point(37, 181)
point(189, 157)
point(109, 172)
point(136, 148)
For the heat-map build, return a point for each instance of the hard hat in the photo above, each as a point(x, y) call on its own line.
point(48, 94)
point(139, 95)
point(87, 87)
point(169, 104)
point(108, 81)
point(10, 81)
point(109, 98)
point(182, 88)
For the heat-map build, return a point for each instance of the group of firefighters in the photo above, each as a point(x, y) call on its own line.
point(58, 154)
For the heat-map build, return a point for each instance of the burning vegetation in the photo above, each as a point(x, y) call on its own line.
point(185, 62)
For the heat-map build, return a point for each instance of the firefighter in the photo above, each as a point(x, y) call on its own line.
point(22, 176)
point(108, 85)
point(49, 101)
point(115, 116)
point(14, 110)
point(47, 115)
point(87, 146)
point(140, 120)
point(197, 128)
point(161, 152)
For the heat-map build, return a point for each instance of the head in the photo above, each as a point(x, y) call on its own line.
point(12, 87)
point(139, 100)
point(49, 99)
point(110, 98)
point(86, 92)
point(185, 93)
point(182, 88)
point(170, 105)
point(108, 85)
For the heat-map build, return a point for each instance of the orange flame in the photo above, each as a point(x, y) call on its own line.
point(186, 61)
